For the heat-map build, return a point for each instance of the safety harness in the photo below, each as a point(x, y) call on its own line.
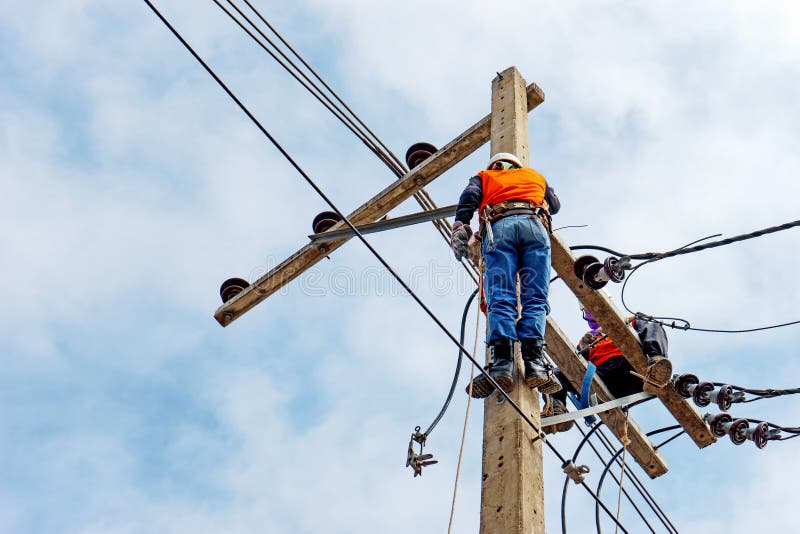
point(503, 209)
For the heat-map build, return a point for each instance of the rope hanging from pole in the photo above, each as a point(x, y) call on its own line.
point(466, 414)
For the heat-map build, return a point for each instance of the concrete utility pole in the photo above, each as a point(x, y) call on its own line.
point(512, 490)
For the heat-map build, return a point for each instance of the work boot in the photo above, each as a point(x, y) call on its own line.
point(659, 373)
point(501, 369)
point(558, 409)
point(538, 373)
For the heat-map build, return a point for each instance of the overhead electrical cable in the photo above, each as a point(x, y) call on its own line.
point(360, 236)
point(624, 490)
point(366, 135)
point(683, 324)
point(643, 491)
point(597, 429)
point(458, 366)
point(613, 459)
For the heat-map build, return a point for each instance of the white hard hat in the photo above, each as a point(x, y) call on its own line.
point(504, 156)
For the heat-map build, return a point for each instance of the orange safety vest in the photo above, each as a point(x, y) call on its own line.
point(513, 184)
point(605, 349)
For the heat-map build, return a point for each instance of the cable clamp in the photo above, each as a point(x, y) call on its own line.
point(738, 396)
point(417, 461)
point(576, 473)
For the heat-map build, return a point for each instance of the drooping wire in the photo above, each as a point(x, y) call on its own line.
point(540, 435)
point(458, 366)
point(643, 491)
point(613, 459)
point(640, 487)
point(583, 442)
point(673, 322)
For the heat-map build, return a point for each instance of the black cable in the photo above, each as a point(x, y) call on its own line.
point(344, 218)
point(417, 299)
point(651, 257)
point(643, 491)
point(670, 322)
point(624, 490)
point(727, 241)
point(788, 429)
point(305, 82)
point(679, 434)
point(394, 165)
point(567, 479)
point(322, 81)
point(649, 499)
point(610, 251)
point(458, 367)
point(615, 456)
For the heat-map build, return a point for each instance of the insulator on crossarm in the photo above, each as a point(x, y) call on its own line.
point(759, 434)
point(419, 152)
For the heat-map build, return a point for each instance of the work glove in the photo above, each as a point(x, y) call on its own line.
point(459, 240)
point(587, 339)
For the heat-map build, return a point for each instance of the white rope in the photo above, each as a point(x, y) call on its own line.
point(625, 442)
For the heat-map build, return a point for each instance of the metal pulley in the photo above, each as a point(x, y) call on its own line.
point(704, 393)
point(596, 274)
point(419, 152)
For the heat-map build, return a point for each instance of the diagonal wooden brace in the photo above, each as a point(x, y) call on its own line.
point(573, 367)
point(599, 305)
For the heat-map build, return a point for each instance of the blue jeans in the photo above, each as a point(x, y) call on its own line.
point(521, 245)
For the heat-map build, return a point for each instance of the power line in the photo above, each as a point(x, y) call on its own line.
point(322, 81)
point(428, 311)
point(458, 367)
point(650, 257)
point(642, 490)
point(616, 455)
point(624, 491)
point(383, 153)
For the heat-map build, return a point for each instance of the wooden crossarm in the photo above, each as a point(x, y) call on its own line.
point(599, 305)
point(375, 208)
point(574, 367)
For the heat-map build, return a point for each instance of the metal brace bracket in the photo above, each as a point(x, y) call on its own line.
point(576, 473)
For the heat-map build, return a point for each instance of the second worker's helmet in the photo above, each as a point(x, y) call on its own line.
point(504, 156)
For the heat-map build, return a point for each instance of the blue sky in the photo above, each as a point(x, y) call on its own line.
point(131, 187)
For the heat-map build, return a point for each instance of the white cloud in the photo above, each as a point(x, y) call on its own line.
point(131, 187)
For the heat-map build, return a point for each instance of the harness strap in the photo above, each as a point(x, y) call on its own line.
point(587, 385)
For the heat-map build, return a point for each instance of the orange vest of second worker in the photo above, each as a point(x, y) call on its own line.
point(605, 349)
point(513, 184)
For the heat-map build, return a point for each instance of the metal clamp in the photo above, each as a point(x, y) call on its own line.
point(418, 461)
point(575, 472)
